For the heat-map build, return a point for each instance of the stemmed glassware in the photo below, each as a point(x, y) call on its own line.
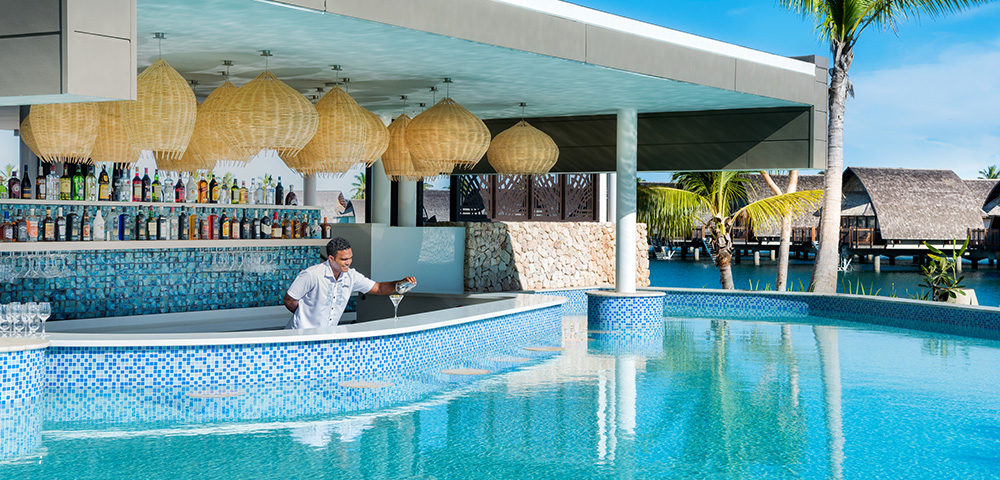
point(5, 323)
point(31, 314)
point(395, 298)
point(21, 320)
point(44, 312)
point(15, 312)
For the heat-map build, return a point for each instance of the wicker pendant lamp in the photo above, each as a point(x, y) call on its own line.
point(27, 136)
point(267, 113)
point(65, 132)
point(377, 138)
point(340, 139)
point(523, 150)
point(196, 157)
point(447, 135)
point(162, 117)
point(112, 143)
point(396, 159)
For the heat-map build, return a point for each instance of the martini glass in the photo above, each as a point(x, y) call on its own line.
point(395, 298)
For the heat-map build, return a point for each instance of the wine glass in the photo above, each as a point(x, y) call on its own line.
point(44, 312)
point(5, 325)
point(14, 312)
point(31, 312)
point(395, 298)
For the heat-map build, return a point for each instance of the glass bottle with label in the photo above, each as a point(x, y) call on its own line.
point(156, 190)
point(48, 226)
point(213, 225)
point(167, 188)
point(125, 225)
point(41, 182)
point(111, 225)
point(213, 190)
point(14, 186)
point(116, 184)
point(152, 226)
point(224, 197)
point(265, 226)
point(60, 225)
point(182, 224)
point(85, 226)
point(136, 187)
point(269, 194)
point(104, 185)
point(20, 228)
point(140, 229)
point(73, 227)
point(147, 187)
point(204, 227)
point(290, 198)
point(6, 228)
point(202, 190)
point(180, 190)
point(163, 224)
point(32, 225)
point(234, 193)
point(26, 190)
point(79, 187)
point(279, 193)
point(224, 226)
point(244, 194)
point(92, 182)
point(194, 226)
point(52, 186)
point(97, 232)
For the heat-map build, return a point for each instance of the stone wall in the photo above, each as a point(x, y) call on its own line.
point(502, 256)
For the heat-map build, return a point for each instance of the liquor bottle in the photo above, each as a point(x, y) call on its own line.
point(213, 190)
point(179, 191)
point(91, 181)
point(204, 228)
point(14, 187)
point(152, 226)
point(41, 183)
point(163, 224)
point(125, 225)
point(327, 229)
point(279, 193)
point(26, 190)
point(20, 227)
point(6, 228)
point(72, 227)
point(234, 227)
point(116, 180)
point(48, 226)
point(317, 230)
point(244, 194)
point(32, 225)
point(202, 190)
point(194, 226)
point(146, 193)
point(245, 224)
point(268, 194)
point(260, 194)
point(294, 225)
point(136, 187)
point(213, 226)
point(166, 192)
point(111, 226)
point(155, 190)
point(280, 228)
point(140, 225)
point(224, 197)
point(79, 186)
point(182, 224)
point(60, 226)
point(85, 226)
point(52, 189)
point(65, 184)
point(234, 193)
point(265, 227)
point(97, 232)
point(224, 226)
point(104, 186)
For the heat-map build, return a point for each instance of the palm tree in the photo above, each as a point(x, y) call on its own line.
point(786, 227)
point(358, 187)
point(990, 172)
point(842, 22)
point(713, 200)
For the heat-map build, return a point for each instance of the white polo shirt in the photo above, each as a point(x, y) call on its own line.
point(322, 298)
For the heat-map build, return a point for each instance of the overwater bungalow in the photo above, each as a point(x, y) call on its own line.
point(805, 228)
point(987, 238)
point(893, 211)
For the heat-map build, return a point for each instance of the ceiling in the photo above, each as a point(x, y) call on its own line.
point(384, 62)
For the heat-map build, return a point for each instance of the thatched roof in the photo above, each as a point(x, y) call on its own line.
point(991, 204)
point(757, 189)
point(438, 204)
point(981, 188)
point(913, 204)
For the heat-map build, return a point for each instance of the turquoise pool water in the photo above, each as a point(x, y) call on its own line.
point(805, 397)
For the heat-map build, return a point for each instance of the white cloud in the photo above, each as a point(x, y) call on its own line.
point(942, 113)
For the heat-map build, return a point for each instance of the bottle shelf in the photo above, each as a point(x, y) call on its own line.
point(156, 244)
point(85, 203)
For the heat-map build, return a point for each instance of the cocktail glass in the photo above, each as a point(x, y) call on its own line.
point(395, 298)
point(14, 312)
point(44, 312)
point(31, 315)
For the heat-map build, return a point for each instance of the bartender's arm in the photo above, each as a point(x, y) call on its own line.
point(380, 288)
point(291, 304)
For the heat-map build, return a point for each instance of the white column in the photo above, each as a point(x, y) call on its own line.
point(407, 206)
point(309, 190)
point(625, 245)
point(602, 195)
point(381, 195)
point(610, 199)
point(626, 394)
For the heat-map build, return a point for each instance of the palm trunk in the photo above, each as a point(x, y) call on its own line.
point(786, 228)
point(722, 251)
point(824, 274)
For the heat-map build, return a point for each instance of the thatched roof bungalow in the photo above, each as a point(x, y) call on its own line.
point(991, 203)
point(757, 189)
point(904, 207)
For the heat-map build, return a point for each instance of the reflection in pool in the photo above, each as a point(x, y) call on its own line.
point(709, 399)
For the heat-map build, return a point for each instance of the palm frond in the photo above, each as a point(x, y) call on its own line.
point(668, 211)
point(768, 212)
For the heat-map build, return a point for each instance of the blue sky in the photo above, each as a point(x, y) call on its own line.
point(927, 96)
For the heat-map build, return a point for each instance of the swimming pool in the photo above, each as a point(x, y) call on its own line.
point(788, 395)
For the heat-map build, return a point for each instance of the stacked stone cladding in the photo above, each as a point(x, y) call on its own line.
point(509, 256)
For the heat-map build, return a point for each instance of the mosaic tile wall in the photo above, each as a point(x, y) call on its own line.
point(732, 305)
point(365, 358)
point(576, 299)
point(614, 313)
point(105, 283)
point(21, 385)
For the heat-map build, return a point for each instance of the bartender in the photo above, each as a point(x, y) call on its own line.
point(319, 294)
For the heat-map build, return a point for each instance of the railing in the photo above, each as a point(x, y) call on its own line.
point(804, 235)
point(985, 238)
point(857, 237)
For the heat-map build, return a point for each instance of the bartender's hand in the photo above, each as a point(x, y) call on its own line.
point(388, 288)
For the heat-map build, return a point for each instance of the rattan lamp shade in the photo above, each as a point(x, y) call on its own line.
point(27, 136)
point(267, 113)
point(339, 142)
point(162, 117)
point(377, 138)
point(112, 143)
point(523, 150)
point(195, 157)
point(213, 145)
point(396, 159)
point(446, 135)
point(65, 132)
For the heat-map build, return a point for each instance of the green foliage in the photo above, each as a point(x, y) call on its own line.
point(858, 288)
point(941, 277)
point(358, 187)
point(991, 172)
point(756, 288)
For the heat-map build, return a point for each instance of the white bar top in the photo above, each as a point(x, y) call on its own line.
point(505, 304)
point(16, 344)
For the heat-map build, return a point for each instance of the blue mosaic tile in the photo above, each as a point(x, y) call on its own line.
point(615, 313)
point(22, 382)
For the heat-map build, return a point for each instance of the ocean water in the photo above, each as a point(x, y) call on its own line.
point(904, 279)
point(804, 397)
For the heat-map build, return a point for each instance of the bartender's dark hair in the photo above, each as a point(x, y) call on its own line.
point(335, 245)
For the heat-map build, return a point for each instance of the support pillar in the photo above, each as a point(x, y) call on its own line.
point(756, 258)
point(697, 254)
point(958, 264)
point(878, 263)
point(625, 209)
point(309, 190)
point(612, 198)
point(407, 207)
point(772, 255)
